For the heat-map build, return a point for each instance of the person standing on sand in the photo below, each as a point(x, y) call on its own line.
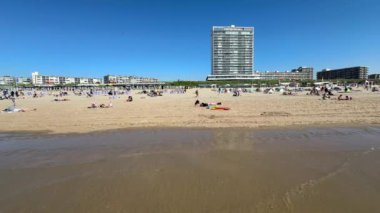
point(13, 101)
point(196, 93)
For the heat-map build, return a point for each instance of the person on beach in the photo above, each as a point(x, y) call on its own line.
point(13, 109)
point(62, 99)
point(196, 93)
point(130, 99)
point(13, 101)
point(27, 110)
point(92, 106)
point(5, 93)
point(348, 98)
point(325, 96)
point(197, 102)
point(109, 105)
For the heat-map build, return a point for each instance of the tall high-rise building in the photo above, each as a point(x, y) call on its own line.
point(232, 52)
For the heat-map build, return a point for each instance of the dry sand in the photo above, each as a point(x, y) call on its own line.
point(251, 110)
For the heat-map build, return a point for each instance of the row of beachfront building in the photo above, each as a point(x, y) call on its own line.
point(46, 80)
point(301, 73)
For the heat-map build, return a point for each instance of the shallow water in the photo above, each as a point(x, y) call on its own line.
point(192, 170)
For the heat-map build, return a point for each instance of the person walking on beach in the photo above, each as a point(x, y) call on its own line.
point(13, 99)
point(196, 93)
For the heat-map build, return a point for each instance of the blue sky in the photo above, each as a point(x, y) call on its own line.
point(171, 39)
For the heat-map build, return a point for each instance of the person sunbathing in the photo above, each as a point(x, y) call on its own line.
point(13, 109)
point(27, 110)
point(347, 98)
point(106, 106)
point(92, 106)
point(203, 105)
point(206, 104)
point(218, 103)
point(63, 99)
point(288, 93)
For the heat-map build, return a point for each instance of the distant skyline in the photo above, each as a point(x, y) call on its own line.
point(171, 40)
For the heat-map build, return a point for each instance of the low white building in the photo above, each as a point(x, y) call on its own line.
point(112, 79)
point(7, 80)
point(42, 80)
point(10, 80)
point(23, 80)
point(69, 80)
point(37, 79)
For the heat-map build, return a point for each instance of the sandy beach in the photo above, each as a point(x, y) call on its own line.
point(252, 110)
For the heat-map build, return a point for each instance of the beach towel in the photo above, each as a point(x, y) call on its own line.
point(11, 109)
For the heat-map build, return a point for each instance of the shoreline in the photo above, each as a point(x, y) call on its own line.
point(31, 133)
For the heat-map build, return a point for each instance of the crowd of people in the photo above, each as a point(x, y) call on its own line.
point(61, 95)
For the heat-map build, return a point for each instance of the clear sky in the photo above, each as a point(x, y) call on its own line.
point(171, 39)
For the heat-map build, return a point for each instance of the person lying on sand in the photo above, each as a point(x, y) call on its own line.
point(92, 106)
point(197, 102)
point(63, 99)
point(106, 106)
point(289, 93)
point(28, 110)
point(348, 98)
point(13, 109)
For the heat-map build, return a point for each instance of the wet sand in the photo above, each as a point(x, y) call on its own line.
point(192, 170)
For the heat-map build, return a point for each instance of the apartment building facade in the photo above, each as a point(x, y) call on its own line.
point(44, 80)
point(359, 72)
point(114, 79)
point(232, 51)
